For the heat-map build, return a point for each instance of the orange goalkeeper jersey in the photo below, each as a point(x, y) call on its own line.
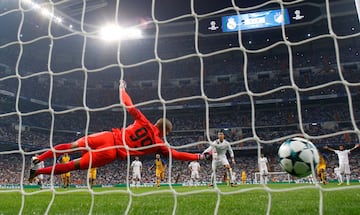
point(143, 133)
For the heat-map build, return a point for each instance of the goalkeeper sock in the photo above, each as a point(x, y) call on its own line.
point(59, 168)
point(49, 154)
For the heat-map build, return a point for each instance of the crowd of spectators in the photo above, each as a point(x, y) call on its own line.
point(68, 91)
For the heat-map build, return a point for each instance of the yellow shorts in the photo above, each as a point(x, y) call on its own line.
point(65, 175)
point(160, 174)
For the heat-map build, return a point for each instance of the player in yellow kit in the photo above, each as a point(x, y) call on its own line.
point(243, 177)
point(92, 176)
point(160, 167)
point(65, 177)
point(321, 169)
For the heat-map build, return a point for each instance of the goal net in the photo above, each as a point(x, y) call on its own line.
point(261, 71)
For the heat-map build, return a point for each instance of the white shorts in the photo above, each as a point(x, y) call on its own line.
point(264, 172)
point(195, 175)
point(136, 175)
point(344, 168)
point(220, 161)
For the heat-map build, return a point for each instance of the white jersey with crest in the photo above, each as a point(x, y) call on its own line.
point(218, 150)
point(136, 166)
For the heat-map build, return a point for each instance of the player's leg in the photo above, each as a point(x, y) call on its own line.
point(347, 173)
point(162, 177)
point(324, 177)
point(232, 178)
point(91, 179)
point(266, 176)
point(341, 173)
point(214, 164)
point(229, 172)
point(59, 168)
point(93, 141)
point(339, 176)
point(157, 178)
point(191, 181)
point(261, 177)
point(98, 158)
point(68, 179)
point(212, 179)
point(50, 153)
point(62, 177)
point(138, 179)
point(226, 178)
point(90, 182)
point(133, 179)
point(196, 178)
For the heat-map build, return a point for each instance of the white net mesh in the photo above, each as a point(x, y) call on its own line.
point(290, 71)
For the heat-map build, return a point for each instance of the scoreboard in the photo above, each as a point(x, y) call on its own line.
point(291, 15)
point(256, 20)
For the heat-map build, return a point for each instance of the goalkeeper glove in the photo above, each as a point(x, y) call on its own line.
point(205, 156)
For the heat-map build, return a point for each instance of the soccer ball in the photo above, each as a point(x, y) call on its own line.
point(297, 156)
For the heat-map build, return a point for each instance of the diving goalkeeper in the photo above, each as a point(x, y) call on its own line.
point(105, 147)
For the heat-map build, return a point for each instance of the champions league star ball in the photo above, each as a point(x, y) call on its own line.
point(297, 156)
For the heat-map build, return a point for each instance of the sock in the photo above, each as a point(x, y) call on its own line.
point(212, 179)
point(49, 154)
point(59, 168)
point(347, 179)
point(323, 178)
point(229, 176)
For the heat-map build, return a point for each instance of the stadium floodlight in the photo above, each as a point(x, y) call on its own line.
point(114, 32)
point(43, 11)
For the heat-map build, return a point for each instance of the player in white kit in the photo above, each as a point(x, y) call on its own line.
point(264, 169)
point(344, 167)
point(194, 167)
point(136, 167)
point(218, 150)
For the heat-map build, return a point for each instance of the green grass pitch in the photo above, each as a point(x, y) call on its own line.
point(244, 199)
